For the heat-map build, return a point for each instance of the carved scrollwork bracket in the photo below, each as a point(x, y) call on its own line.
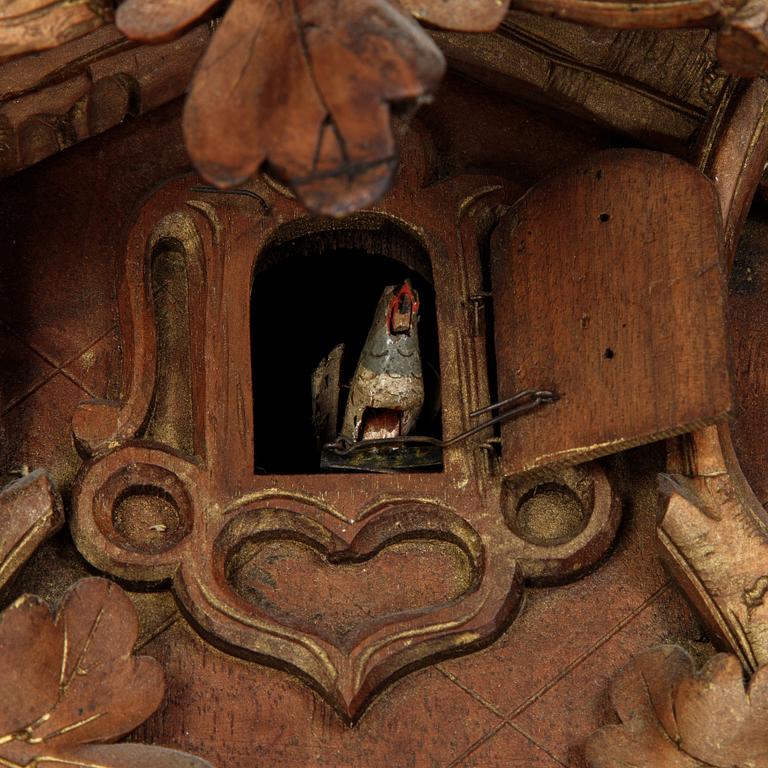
point(171, 491)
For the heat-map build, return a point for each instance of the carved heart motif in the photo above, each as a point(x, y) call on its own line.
point(299, 585)
point(347, 615)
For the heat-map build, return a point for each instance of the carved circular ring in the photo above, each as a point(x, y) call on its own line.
point(134, 510)
point(565, 519)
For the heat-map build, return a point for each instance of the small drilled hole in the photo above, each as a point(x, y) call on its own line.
point(604, 217)
point(609, 354)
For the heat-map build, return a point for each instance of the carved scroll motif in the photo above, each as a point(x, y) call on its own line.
point(203, 518)
point(69, 684)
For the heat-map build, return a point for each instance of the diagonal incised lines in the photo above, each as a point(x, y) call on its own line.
point(581, 658)
point(551, 683)
point(63, 368)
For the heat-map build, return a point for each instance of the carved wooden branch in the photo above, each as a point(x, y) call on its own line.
point(34, 25)
point(70, 684)
point(30, 512)
point(673, 717)
point(713, 536)
point(712, 529)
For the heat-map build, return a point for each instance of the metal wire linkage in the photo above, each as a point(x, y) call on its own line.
point(343, 446)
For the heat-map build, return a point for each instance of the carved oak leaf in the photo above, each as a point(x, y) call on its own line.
point(742, 45)
point(673, 717)
point(34, 25)
point(305, 85)
point(70, 684)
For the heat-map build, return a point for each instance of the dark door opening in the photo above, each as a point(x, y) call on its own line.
point(311, 294)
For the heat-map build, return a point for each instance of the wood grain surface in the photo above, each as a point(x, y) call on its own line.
point(608, 290)
point(500, 706)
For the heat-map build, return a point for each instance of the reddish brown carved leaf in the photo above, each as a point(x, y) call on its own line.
point(28, 665)
point(100, 628)
point(123, 756)
point(72, 681)
point(154, 21)
point(461, 15)
point(34, 25)
point(307, 87)
point(674, 718)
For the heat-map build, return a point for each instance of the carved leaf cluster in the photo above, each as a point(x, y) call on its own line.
point(673, 717)
point(304, 85)
point(70, 685)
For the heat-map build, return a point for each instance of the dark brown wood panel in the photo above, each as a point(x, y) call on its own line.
point(497, 708)
point(608, 290)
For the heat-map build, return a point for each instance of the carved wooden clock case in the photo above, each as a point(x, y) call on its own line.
point(160, 334)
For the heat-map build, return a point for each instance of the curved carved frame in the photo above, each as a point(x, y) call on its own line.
point(713, 535)
point(222, 505)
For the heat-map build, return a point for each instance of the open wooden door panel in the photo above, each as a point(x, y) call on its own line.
point(635, 346)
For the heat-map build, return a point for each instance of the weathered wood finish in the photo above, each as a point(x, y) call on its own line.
point(732, 152)
point(223, 509)
point(676, 717)
point(607, 77)
point(34, 25)
point(30, 512)
point(593, 301)
point(306, 88)
point(712, 531)
point(71, 685)
point(198, 453)
point(81, 89)
point(159, 20)
point(471, 710)
point(712, 528)
point(335, 146)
